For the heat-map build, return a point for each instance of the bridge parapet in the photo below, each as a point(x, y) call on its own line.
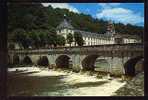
point(84, 49)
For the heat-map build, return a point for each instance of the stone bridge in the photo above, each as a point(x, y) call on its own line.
point(113, 58)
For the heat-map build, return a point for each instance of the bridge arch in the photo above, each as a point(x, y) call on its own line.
point(27, 60)
point(43, 61)
point(102, 65)
point(91, 62)
point(63, 61)
point(16, 60)
point(88, 62)
point(130, 66)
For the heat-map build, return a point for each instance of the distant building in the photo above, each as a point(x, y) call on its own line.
point(90, 38)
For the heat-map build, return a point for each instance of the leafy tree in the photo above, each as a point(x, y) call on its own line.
point(60, 40)
point(35, 39)
point(26, 42)
point(69, 38)
point(39, 38)
point(52, 40)
point(43, 39)
point(52, 37)
point(78, 39)
point(20, 37)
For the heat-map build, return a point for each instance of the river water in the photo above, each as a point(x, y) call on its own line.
point(32, 81)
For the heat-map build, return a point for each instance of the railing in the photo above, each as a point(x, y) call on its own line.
point(108, 47)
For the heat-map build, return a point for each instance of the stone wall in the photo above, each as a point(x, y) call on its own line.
point(134, 87)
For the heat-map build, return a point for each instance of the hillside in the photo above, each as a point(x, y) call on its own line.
point(36, 17)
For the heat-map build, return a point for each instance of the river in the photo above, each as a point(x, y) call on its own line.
point(33, 81)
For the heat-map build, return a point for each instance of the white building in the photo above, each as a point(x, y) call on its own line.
point(110, 37)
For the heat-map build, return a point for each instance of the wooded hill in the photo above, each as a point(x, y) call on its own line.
point(37, 17)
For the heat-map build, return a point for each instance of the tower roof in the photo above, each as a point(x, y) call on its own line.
point(65, 24)
point(110, 28)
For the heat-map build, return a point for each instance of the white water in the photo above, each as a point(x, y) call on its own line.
point(106, 89)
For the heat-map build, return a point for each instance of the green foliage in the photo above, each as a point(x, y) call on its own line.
point(26, 16)
point(60, 40)
point(22, 38)
point(78, 39)
point(35, 40)
point(69, 38)
point(43, 39)
point(52, 39)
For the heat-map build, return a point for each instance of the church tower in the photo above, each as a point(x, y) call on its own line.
point(64, 28)
point(110, 28)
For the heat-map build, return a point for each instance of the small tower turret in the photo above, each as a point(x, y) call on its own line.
point(65, 24)
point(110, 28)
point(64, 28)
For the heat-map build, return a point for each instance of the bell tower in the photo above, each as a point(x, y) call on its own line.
point(64, 28)
point(110, 28)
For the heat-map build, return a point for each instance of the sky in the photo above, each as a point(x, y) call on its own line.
point(126, 13)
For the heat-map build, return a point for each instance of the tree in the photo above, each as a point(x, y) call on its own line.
point(43, 39)
point(20, 37)
point(35, 40)
point(69, 38)
point(60, 40)
point(52, 39)
point(26, 42)
point(78, 39)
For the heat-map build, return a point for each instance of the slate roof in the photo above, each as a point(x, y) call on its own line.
point(84, 33)
point(65, 24)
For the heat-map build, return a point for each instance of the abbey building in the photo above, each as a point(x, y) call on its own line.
point(110, 37)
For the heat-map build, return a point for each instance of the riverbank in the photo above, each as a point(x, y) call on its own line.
point(78, 84)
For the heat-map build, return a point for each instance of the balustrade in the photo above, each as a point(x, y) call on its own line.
point(77, 49)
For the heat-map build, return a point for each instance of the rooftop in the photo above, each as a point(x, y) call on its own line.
point(65, 24)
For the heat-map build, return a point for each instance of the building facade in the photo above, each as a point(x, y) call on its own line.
point(90, 38)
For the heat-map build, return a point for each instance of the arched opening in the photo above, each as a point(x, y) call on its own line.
point(27, 61)
point(130, 66)
point(101, 65)
point(63, 61)
point(43, 61)
point(16, 60)
point(88, 62)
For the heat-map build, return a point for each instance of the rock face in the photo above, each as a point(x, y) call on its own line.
point(134, 87)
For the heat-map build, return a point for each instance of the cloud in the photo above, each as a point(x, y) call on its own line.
point(108, 5)
point(121, 15)
point(61, 5)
